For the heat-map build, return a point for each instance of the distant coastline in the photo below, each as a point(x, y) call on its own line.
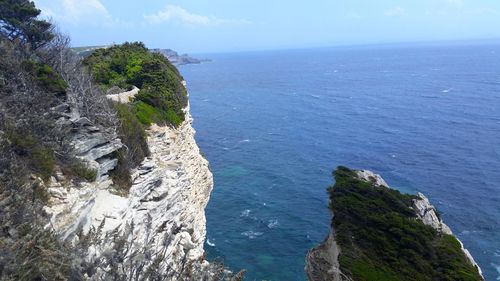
point(177, 59)
point(173, 56)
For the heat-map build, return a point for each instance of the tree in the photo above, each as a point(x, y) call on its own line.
point(18, 21)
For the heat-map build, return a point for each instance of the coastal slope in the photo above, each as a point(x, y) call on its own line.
point(378, 233)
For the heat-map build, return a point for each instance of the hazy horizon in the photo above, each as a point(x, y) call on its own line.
point(223, 26)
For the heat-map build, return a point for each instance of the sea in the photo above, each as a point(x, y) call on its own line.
point(275, 124)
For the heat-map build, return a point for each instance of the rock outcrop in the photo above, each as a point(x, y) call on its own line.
point(162, 219)
point(429, 216)
point(322, 261)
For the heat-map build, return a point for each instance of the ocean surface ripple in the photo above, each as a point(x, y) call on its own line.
point(273, 125)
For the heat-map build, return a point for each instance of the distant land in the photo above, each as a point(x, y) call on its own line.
point(170, 54)
point(177, 59)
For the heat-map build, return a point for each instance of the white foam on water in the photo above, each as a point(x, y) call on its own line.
point(245, 213)
point(497, 267)
point(251, 234)
point(273, 223)
point(447, 90)
point(210, 243)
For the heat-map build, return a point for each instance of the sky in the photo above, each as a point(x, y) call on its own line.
point(205, 26)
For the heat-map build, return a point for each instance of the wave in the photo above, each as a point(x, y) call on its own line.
point(497, 267)
point(210, 243)
point(446, 90)
point(273, 223)
point(251, 234)
point(315, 96)
point(245, 140)
point(429, 96)
point(245, 213)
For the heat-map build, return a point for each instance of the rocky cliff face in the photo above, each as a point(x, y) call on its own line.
point(322, 261)
point(158, 229)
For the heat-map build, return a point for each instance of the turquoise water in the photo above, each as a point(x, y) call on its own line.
point(273, 125)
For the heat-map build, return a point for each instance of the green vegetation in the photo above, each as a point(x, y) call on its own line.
point(82, 171)
point(40, 159)
point(162, 96)
point(382, 240)
point(19, 23)
point(133, 136)
point(161, 99)
point(46, 77)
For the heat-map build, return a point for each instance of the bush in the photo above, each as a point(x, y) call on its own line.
point(43, 161)
point(162, 96)
point(82, 171)
point(121, 173)
point(40, 159)
point(147, 114)
point(133, 136)
point(47, 78)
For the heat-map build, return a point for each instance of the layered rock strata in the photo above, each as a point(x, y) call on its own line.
point(162, 219)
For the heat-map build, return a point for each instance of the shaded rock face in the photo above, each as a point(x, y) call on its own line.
point(322, 261)
point(162, 219)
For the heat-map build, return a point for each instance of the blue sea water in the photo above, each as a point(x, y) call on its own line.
point(273, 126)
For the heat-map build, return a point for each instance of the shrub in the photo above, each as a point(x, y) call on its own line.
point(133, 136)
point(43, 161)
point(46, 77)
point(121, 173)
point(82, 171)
point(40, 159)
point(162, 96)
point(147, 114)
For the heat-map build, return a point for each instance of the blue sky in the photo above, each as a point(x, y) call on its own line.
point(239, 25)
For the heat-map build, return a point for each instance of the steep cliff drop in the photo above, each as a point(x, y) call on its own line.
point(378, 233)
point(159, 226)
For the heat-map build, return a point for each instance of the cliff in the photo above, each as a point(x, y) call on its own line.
point(162, 217)
point(379, 234)
point(97, 187)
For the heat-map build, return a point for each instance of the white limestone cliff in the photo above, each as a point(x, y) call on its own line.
point(161, 220)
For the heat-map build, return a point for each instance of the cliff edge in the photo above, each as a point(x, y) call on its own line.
point(162, 218)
